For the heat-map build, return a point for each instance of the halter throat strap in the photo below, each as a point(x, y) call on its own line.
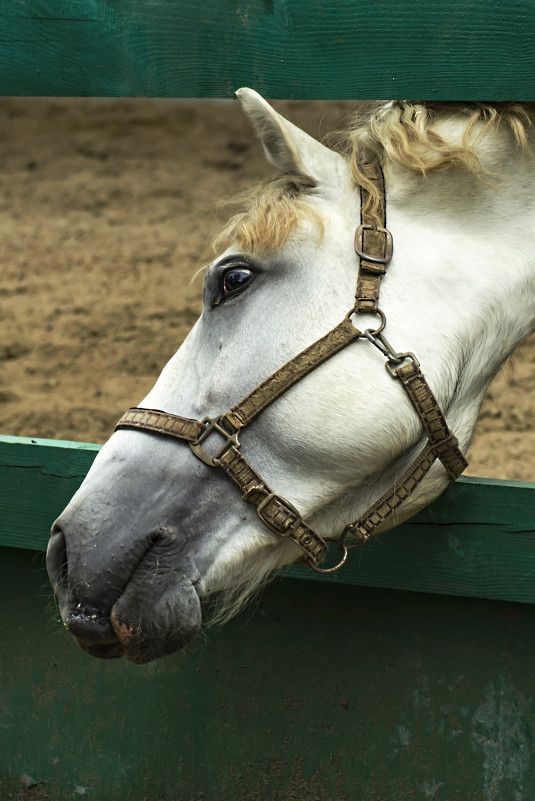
point(374, 246)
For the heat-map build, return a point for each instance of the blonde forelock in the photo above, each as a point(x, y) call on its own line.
point(267, 216)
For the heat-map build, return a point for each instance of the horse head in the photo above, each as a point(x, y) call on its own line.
point(154, 530)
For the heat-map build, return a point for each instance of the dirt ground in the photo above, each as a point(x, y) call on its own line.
point(106, 213)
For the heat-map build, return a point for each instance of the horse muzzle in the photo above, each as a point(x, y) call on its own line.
point(142, 606)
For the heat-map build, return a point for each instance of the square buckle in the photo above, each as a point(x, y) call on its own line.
point(278, 522)
point(389, 244)
point(213, 424)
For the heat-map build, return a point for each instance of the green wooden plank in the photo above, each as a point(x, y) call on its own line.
point(37, 479)
point(460, 49)
point(477, 539)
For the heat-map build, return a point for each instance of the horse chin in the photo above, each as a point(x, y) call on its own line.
point(139, 643)
point(143, 641)
point(112, 650)
point(139, 626)
point(173, 621)
point(140, 646)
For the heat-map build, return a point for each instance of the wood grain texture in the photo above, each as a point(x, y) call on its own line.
point(477, 539)
point(37, 479)
point(427, 49)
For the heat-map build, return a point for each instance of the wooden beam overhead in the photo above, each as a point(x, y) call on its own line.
point(424, 49)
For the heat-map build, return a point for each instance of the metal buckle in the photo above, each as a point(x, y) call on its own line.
point(392, 366)
point(282, 530)
point(389, 245)
point(213, 424)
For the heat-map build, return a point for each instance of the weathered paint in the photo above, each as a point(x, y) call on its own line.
point(503, 728)
point(283, 48)
point(323, 692)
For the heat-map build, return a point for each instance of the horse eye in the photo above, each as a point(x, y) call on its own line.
point(235, 279)
point(231, 282)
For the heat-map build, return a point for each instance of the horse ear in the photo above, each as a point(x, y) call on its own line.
point(291, 150)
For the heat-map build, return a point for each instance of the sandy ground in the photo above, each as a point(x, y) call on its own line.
point(106, 212)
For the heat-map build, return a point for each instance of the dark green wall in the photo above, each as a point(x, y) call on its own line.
point(322, 692)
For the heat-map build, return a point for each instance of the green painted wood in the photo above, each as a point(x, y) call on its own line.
point(477, 539)
point(37, 478)
point(328, 693)
point(442, 49)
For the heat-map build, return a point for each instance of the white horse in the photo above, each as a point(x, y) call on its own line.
point(153, 531)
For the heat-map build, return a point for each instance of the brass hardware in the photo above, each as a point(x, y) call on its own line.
point(392, 367)
point(394, 359)
point(378, 330)
point(389, 244)
point(286, 527)
point(213, 424)
point(335, 567)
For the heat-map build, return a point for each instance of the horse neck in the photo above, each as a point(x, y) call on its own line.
point(477, 234)
point(466, 251)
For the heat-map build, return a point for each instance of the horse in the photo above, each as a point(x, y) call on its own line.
point(156, 532)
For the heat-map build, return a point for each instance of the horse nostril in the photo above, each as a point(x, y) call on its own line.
point(56, 560)
point(88, 622)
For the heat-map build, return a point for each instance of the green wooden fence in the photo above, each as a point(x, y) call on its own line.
point(477, 539)
point(389, 695)
point(463, 49)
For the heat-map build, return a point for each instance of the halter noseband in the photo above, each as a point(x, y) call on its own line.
point(373, 245)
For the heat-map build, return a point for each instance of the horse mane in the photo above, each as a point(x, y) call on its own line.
point(410, 134)
point(415, 136)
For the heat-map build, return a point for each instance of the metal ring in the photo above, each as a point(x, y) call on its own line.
point(381, 328)
point(371, 333)
point(336, 567)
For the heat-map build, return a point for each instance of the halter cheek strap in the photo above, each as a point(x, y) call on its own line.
point(373, 245)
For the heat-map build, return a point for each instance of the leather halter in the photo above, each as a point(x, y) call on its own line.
point(373, 245)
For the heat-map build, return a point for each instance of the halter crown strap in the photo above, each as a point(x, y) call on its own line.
point(373, 245)
point(373, 241)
